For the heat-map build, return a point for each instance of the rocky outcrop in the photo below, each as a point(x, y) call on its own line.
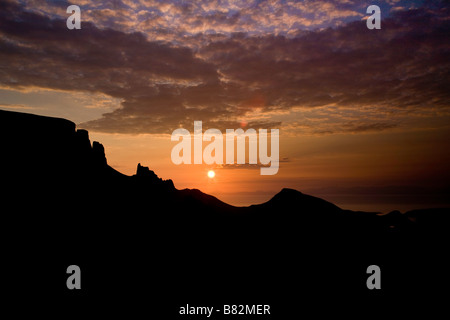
point(147, 175)
point(145, 172)
point(47, 150)
point(98, 153)
point(82, 141)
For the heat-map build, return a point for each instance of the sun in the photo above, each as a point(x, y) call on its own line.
point(211, 174)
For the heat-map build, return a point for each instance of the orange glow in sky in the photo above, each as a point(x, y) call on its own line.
point(363, 120)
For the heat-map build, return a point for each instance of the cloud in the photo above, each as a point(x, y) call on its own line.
point(248, 165)
point(346, 73)
point(178, 18)
point(9, 106)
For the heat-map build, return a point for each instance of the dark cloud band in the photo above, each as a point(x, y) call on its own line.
point(236, 77)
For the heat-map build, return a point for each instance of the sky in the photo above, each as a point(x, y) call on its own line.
point(363, 114)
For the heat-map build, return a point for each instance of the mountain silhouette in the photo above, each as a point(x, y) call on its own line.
point(131, 235)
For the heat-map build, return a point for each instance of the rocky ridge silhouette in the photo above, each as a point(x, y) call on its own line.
point(67, 205)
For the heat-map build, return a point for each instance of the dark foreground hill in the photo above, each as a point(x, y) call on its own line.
point(141, 242)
